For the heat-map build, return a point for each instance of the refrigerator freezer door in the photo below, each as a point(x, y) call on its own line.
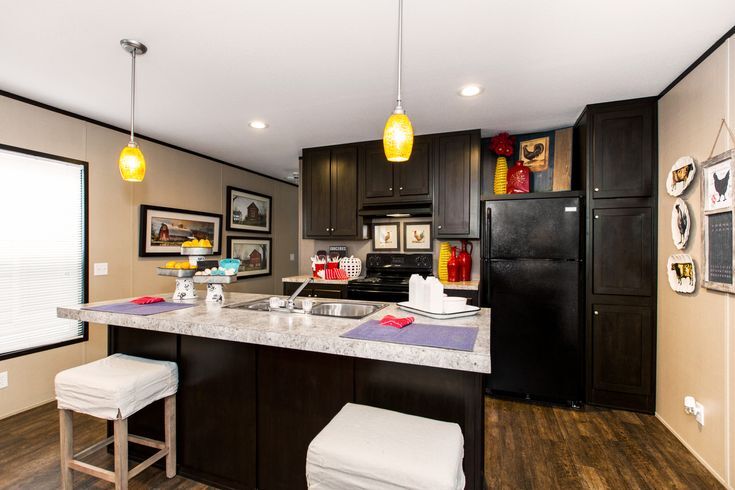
point(533, 229)
point(536, 337)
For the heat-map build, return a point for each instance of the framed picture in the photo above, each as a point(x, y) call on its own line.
point(255, 255)
point(417, 237)
point(717, 222)
point(163, 230)
point(248, 211)
point(386, 237)
point(548, 155)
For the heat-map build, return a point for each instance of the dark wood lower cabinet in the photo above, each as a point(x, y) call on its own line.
point(317, 290)
point(246, 414)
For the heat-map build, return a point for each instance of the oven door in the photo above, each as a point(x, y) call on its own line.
point(377, 294)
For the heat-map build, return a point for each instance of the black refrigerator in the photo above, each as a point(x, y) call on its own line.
point(532, 279)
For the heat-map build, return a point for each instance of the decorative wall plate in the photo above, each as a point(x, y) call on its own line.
point(681, 223)
point(681, 272)
point(680, 176)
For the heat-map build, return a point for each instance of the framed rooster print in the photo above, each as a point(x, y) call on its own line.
point(717, 222)
point(417, 237)
point(386, 237)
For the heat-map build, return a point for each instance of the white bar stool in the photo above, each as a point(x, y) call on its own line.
point(114, 388)
point(372, 448)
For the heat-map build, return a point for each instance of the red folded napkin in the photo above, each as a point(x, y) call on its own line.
point(392, 321)
point(146, 300)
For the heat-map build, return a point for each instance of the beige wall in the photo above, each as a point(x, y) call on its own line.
point(174, 179)
point(696, 335)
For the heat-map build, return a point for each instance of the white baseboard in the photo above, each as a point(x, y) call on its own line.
point(695, 453)
point(25, 409)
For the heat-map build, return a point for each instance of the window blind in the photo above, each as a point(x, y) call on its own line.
point(42, 249)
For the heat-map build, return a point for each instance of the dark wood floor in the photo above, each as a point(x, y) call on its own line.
point(526, 447)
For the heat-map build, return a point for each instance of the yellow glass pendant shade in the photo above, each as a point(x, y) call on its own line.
point(398, 138)
point(132, 163)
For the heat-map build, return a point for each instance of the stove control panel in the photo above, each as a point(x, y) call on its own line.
point(400, 261)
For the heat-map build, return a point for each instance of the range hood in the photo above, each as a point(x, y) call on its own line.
point(396, 210)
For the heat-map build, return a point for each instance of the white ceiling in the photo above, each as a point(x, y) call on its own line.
point(323, 71)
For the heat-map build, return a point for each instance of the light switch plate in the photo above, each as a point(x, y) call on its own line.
point(291, 257)
point(100, 268)
point(3, 380)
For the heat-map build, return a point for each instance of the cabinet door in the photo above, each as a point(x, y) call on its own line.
point(332, 291)
point(414, 176)
point(376, 174)
point(622, 253)
point(344, 192)
point(316, 168)
point(217, 404)
point(457, 185)
point(622, 356)
point(623, 153)
point(290, 287)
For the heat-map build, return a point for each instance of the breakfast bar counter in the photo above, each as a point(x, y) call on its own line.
point(256, 386)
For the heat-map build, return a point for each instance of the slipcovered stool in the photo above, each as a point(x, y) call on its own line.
point(367, 447)
point(114, 388)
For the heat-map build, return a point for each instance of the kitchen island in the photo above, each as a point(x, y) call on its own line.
point(256, 387)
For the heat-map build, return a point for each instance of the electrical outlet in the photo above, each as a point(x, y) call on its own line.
point(699, 414)
point(291, 257)
point(3, 380)
point(100, 268)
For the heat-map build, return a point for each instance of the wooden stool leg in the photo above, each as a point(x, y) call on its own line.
point(170, 429)
point(121, 454)
point(66, 431)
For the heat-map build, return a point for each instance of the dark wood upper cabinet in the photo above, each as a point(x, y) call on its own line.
point(457, 185)
point(622, 251)
point(623, 142)
point(622, 357)
point(329, 180)
point(383, 182)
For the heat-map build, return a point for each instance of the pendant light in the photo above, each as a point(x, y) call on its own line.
point(132, 161)
point(398, 132)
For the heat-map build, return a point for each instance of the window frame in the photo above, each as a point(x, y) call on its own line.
point(85, 254)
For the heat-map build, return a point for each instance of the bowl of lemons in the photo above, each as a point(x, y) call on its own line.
point(196, 247)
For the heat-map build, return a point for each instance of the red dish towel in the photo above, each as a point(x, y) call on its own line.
point(146, 300)
point(392, 321)
point(333, 274)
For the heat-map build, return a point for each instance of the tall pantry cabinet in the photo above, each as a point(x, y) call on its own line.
point(616, 144)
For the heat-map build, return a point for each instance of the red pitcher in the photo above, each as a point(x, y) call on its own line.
point(453, 266)
point(464, 262)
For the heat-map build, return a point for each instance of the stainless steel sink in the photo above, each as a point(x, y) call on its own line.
point(346, 310)
point(337, 309)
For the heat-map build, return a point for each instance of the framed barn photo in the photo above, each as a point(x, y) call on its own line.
point(163, 230)
point(717, 222)
point(248, 211)
point(255, 255)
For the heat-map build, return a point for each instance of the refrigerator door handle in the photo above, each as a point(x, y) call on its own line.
point(488, 232)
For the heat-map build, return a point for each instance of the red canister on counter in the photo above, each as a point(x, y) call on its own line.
point(452, 266)
point(464, 262)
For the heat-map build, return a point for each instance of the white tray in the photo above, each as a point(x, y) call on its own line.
point(215, 279)
point(468, 311)
point(163, 271)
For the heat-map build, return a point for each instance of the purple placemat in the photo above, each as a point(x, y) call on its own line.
point(142, 310)
point(426, 335)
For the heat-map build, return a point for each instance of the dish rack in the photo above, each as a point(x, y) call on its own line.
point(185, 278)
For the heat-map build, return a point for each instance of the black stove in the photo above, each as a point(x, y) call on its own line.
point(386, 276)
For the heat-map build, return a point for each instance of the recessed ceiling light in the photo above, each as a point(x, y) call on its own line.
point(258, 125)
point(470, 90)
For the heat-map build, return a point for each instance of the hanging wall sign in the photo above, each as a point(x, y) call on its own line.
point(681, 223)
point(680, 176)
point(681, 272)
point(717, 222)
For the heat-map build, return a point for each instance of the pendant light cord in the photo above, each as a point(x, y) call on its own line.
point(132, 97)
point(400, 52)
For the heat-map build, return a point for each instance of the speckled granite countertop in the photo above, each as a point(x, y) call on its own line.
point(297, 331)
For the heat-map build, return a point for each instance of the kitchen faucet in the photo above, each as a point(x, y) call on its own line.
point(290, 300)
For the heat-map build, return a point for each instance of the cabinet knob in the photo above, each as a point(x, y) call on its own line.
point(597, 216)
point(597, 312)
point(439, 227)
point(390, 188)
point(400, 188)
point(332, 229)
point(327, 229)
point(597, 189)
